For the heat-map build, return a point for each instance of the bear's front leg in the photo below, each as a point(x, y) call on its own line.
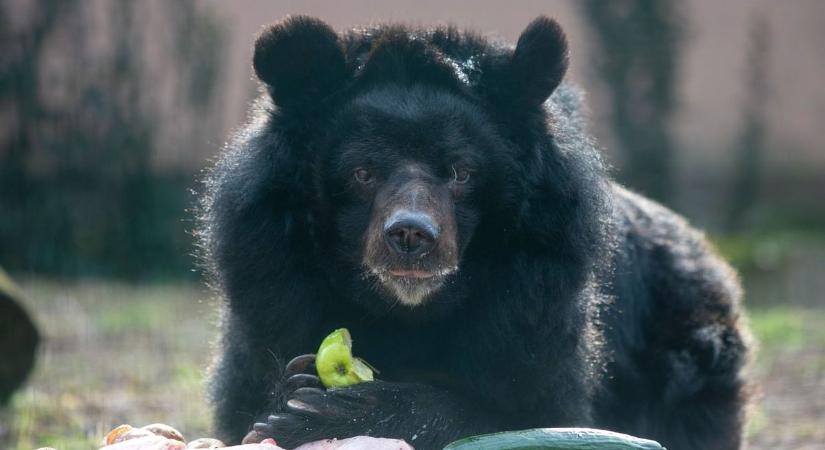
point(424, 416)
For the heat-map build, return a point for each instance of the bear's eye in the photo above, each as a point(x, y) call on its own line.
point(362, 175)
point(460, 175)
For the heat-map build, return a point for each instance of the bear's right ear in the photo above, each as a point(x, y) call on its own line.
point(534, 69)
point(300, 59)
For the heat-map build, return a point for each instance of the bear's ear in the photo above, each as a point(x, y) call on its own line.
point(538, 63)
point(300, 59)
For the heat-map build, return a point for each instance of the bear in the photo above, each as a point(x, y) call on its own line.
point(437, 193)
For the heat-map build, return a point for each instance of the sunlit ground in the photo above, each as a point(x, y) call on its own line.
point(116, 353)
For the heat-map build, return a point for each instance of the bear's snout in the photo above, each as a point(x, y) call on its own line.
point(410, 233)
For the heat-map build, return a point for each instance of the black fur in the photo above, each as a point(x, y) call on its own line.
point(575, 301)
point(300, 60)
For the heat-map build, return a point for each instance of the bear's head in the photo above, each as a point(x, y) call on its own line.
point(423, 153)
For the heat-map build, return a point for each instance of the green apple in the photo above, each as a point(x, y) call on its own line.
point(335, 364)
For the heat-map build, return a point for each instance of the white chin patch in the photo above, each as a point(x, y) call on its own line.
point(411, 292)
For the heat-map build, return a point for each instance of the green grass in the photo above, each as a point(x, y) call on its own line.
point(117, 353)
point(760, 251)
point(781, 331)
point(790, 369)
point(779, 328)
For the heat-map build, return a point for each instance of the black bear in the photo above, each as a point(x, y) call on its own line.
point(423, 188)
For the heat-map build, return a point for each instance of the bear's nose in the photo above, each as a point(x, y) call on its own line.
point(410, 233)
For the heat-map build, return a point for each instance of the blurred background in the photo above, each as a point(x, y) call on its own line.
point(111, 109)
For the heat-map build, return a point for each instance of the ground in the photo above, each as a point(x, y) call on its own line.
point(118, 353)
point(113, 354)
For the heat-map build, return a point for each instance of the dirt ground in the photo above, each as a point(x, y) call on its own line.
point(119, 353)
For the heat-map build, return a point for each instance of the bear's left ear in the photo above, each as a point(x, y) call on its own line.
point(538, 63)
point(300, 59)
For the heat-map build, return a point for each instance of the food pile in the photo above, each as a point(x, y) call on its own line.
point(159, 436)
